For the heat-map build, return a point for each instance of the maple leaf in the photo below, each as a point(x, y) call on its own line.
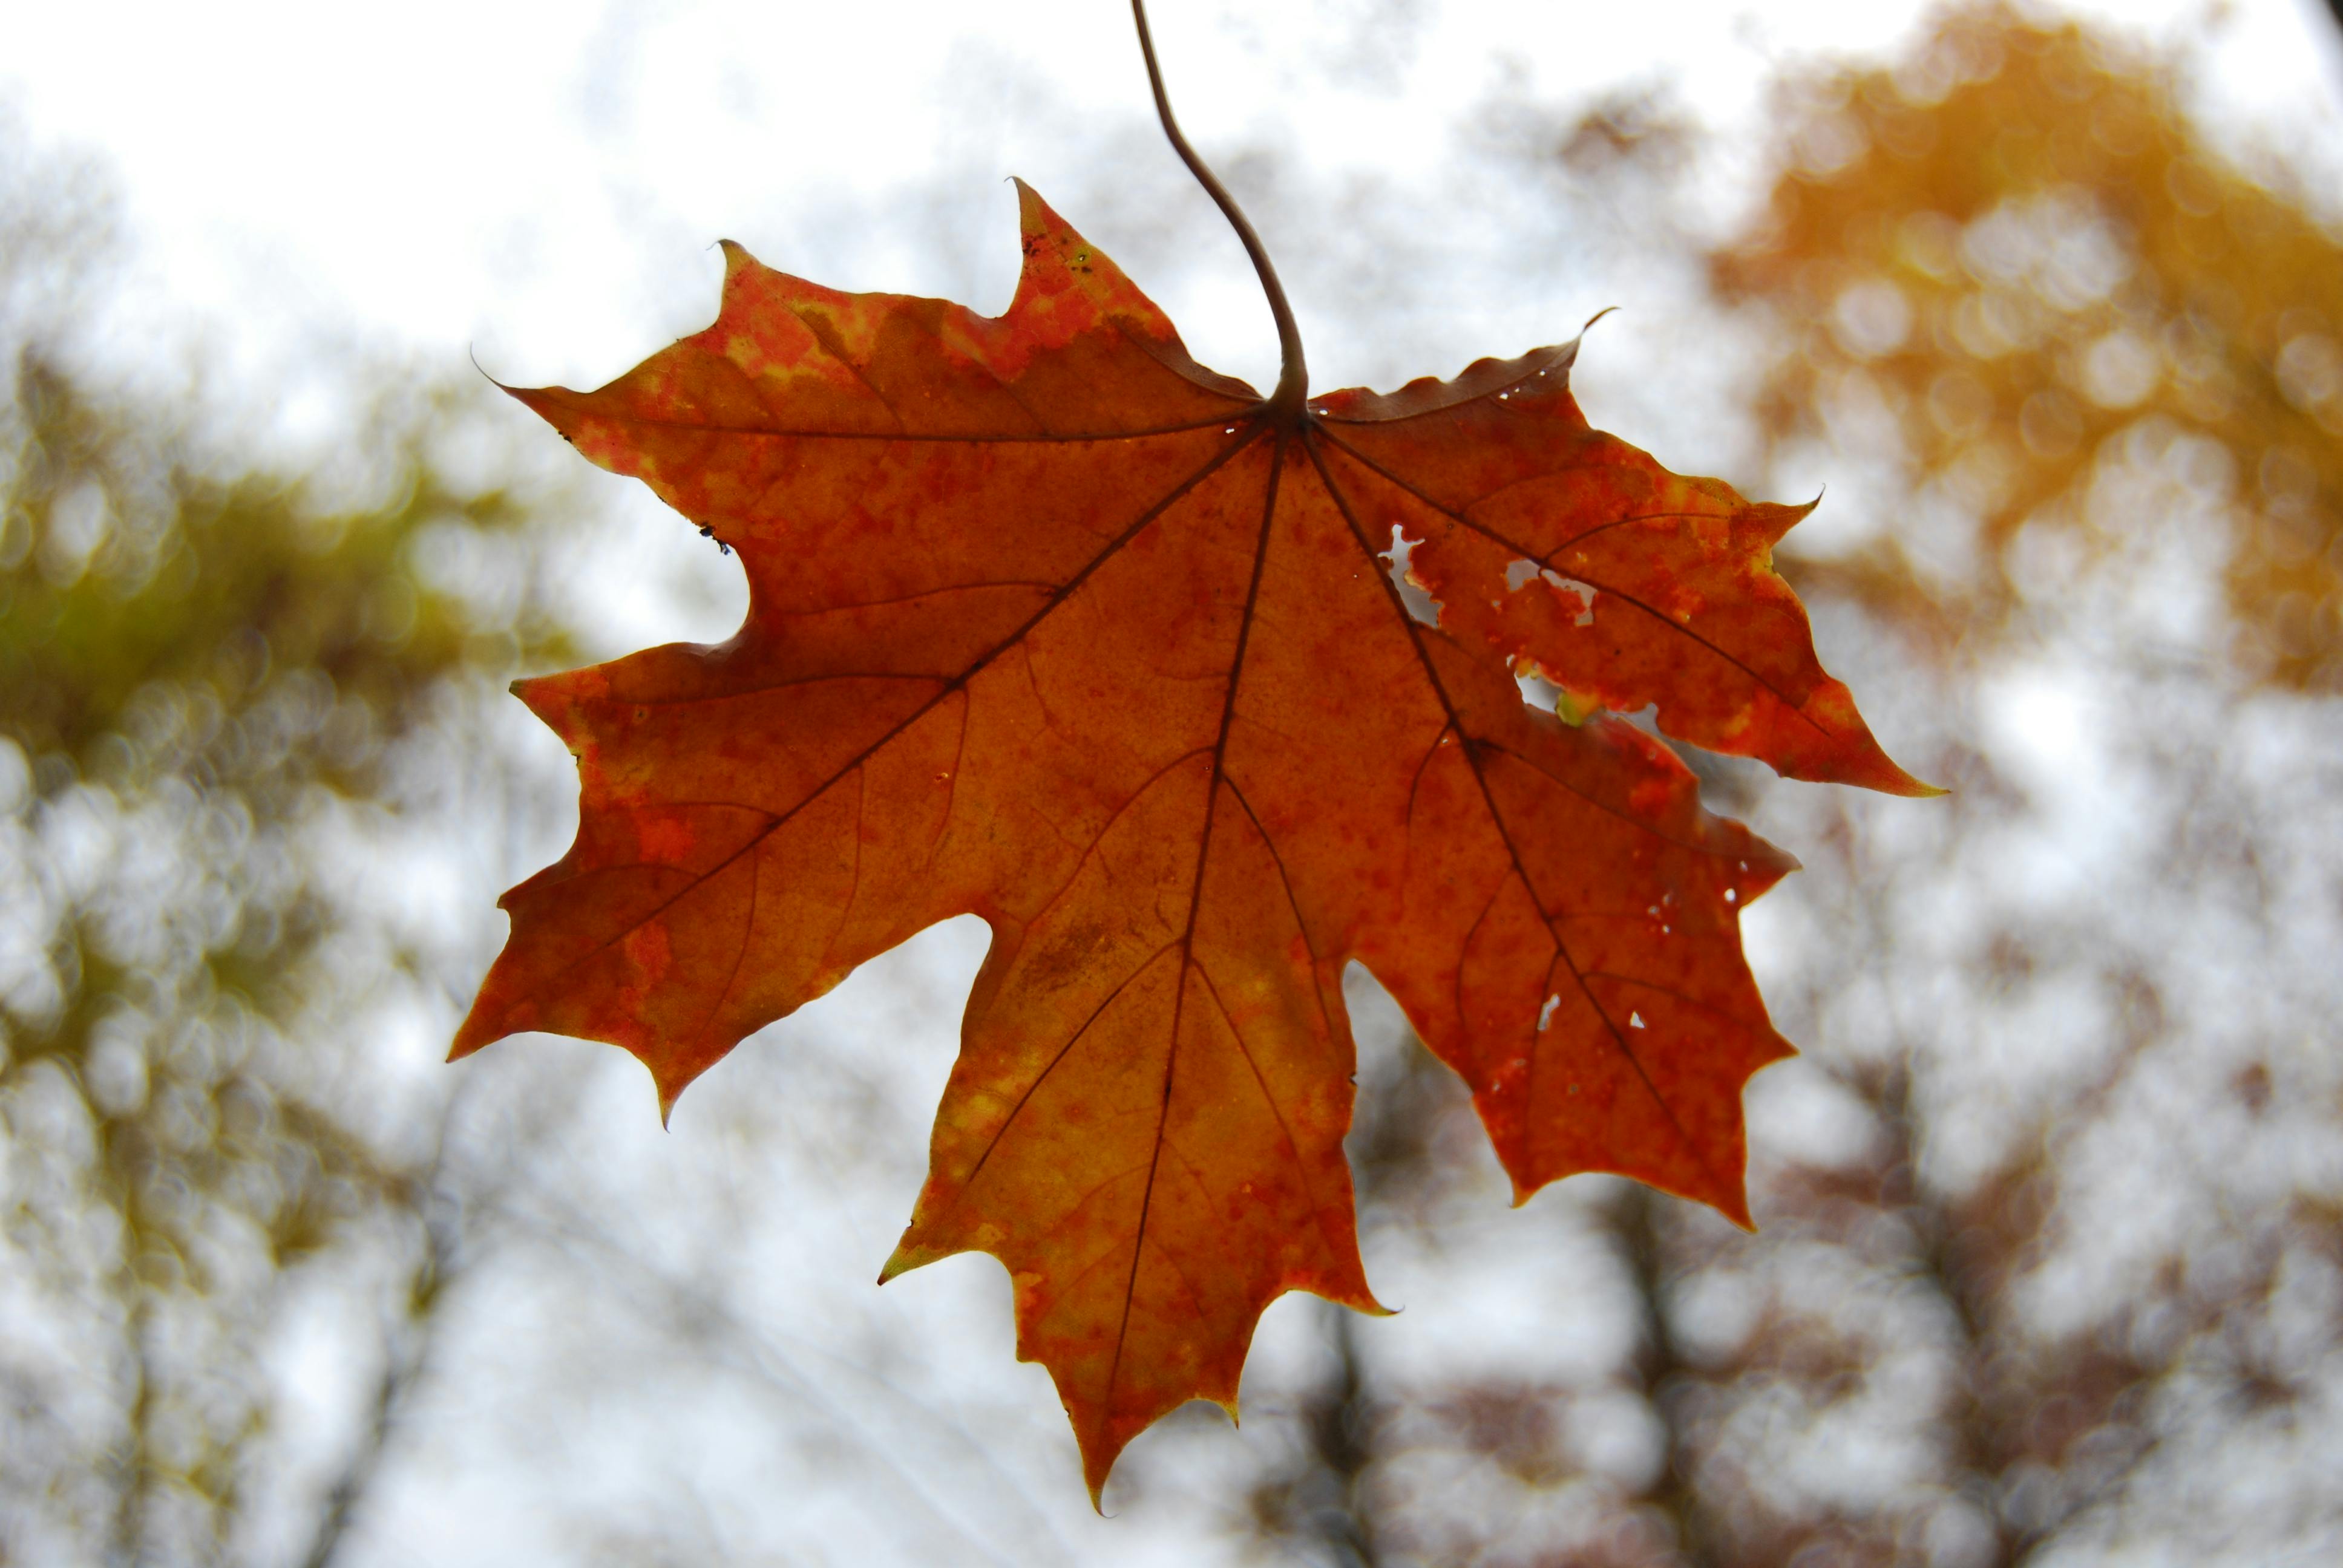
point(1049, 625)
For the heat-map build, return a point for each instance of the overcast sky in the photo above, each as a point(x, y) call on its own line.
point(541, 181)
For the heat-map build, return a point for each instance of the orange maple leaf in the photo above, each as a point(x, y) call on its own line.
point(1049, 625)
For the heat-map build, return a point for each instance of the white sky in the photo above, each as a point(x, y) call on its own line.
point(540, 181)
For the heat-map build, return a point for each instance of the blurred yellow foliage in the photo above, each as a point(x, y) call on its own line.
point(2015, 244)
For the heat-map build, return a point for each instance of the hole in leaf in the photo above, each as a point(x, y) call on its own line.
point(1420, 603)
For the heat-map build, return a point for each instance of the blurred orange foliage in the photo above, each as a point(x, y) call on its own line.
point(2016, 244)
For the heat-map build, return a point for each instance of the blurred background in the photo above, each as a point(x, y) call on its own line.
point(2050, 1266)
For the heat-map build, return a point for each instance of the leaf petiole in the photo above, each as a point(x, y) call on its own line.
point(1294, 377)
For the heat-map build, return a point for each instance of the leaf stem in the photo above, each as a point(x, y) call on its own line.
point(1293, 376)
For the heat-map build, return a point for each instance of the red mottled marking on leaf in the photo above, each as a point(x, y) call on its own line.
point(1052, 626)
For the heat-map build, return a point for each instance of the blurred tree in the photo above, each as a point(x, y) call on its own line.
point(2050, 1259)
point(214, 677)
point(2013, 260)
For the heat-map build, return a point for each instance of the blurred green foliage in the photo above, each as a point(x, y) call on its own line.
point(218, 677)
point(126, 574)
